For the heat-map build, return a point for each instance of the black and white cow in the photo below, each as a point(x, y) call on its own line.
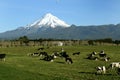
point(114, 65)
point(102, 54)
point(69, 60)
point(64, 55)
point(76, 53)
point(107, 59)
point(43, 53)
point(55, 54)
point(93, 53)
point(2, 56)
point(92, 56)
point(49, 58)
point(101, 70)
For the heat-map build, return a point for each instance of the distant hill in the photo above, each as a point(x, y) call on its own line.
point(52, 27)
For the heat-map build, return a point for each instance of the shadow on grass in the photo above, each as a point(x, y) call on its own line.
point(60, 62)
point(95, 73)
point(87, 72)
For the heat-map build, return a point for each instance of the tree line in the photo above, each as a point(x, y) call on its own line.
point(106, 40)
point(25, 41)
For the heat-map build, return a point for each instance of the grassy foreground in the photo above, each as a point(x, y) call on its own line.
point(20, 66)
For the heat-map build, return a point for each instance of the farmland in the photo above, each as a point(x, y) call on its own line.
point(20, 66)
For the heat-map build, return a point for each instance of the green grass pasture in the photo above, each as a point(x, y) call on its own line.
point(20, 66)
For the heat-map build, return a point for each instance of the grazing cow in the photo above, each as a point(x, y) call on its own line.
point(64, 54)
point(43, 54)
point(55, 54)
point(115, 64)
point(48, 58)
point(94, 53)
point(106, 59)
point(102, 54)
point(2, 57)
point(92, 56)
point(68, 60)
point(76, 53)
point(101, 70)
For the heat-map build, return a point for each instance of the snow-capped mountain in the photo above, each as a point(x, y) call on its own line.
point(49, 21)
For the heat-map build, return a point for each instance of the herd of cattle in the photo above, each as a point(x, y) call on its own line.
point(50, 57)
point(63, 54)
point(101, 56)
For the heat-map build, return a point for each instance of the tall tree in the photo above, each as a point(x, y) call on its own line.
point(24, 40)
point(91, 42)
point(117, 42)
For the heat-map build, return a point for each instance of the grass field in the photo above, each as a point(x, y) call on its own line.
point(19, 66)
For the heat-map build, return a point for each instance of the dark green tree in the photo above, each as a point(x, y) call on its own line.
point(91, 42)
point(24, 40)
point(107, 40)
point(117, 42)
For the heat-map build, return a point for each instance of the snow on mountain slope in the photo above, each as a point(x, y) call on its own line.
point(49, 21)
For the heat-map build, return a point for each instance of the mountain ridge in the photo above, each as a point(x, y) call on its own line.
point(53, 28)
